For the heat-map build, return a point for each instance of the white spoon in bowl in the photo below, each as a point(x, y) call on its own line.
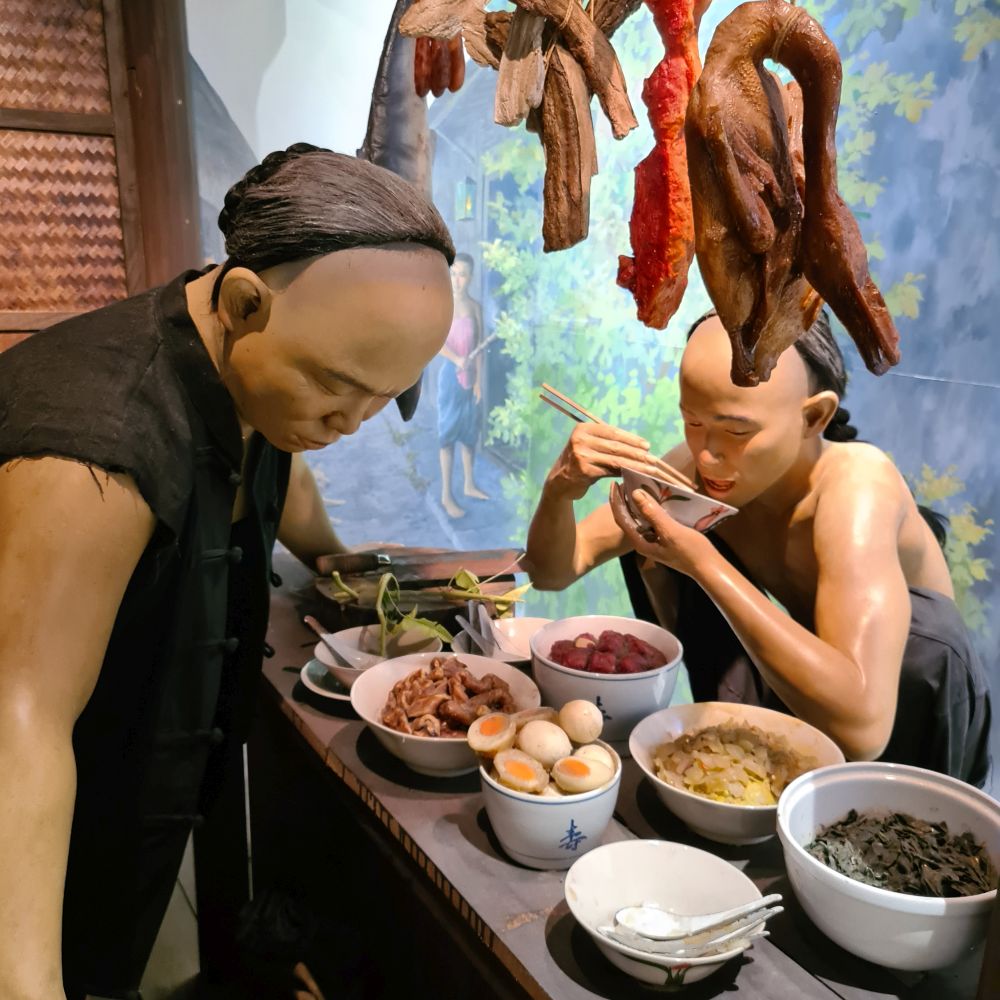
point(352, 658)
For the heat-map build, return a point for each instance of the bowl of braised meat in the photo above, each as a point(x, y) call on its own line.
point(420, 706)
point(626, 667)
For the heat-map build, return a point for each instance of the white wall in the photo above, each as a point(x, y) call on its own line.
point(291, 70)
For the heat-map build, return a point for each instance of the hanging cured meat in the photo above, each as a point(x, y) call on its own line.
point(662, 223)
point(552, 56)
point(765, 241)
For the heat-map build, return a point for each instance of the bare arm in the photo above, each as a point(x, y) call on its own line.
point(305, 528)
point(844, 678)
point(560, 551)
point(69, 544)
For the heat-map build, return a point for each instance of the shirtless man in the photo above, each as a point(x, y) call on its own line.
point(826, 596)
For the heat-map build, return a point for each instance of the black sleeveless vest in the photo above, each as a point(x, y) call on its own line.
point(131, 388)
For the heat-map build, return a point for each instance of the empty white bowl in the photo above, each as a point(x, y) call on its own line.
point(676, 877)
point(916, 933)
point(434, 756)
point(517, 633)
point(623, 699)
point(542, 832)
point(366, 638)
point(693, 509)
point(723, 821)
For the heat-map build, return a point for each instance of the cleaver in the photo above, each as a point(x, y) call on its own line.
point(423, 568)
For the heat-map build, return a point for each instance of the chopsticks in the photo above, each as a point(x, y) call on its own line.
point(575, 411)
point(580, 416)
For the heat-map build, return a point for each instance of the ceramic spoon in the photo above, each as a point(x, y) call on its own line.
point(656, 924)
point(351, 658)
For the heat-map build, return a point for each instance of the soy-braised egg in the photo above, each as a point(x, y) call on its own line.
point(581, 720)
point(544, 741)
point(580, 774)
point(519, 771)
point(491, 733)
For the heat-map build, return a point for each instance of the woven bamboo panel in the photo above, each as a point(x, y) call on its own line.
point(53, 56)
point(61, 248)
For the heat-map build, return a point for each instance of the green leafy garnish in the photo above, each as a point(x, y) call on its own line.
point(395, 622)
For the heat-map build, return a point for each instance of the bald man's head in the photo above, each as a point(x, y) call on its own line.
point(745, 439)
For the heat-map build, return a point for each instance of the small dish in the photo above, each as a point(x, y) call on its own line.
point(517, 632)
point(689, 508)
point(315, 676)
point(365, 638)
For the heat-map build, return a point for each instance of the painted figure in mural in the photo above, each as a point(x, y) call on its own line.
point(460, 388)
point(150, 453)
point(827, 596)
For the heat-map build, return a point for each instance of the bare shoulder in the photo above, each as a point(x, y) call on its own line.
point(856, 465)
point(64, 503)
point(859, 484)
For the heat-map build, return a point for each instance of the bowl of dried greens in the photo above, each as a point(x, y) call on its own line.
point(896, 864)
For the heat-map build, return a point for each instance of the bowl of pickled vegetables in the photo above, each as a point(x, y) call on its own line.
point(721, 767)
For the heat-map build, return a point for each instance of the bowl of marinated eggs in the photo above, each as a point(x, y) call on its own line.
point(549, 783)
point(720, 767)
point(626, 667)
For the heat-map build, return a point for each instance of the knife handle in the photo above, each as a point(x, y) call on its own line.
point(354, 563)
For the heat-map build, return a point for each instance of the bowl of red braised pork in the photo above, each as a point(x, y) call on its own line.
point(626, 667)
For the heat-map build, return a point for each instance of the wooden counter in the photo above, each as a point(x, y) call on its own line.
point(431, 848)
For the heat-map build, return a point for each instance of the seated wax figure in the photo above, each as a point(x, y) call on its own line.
point(145, 454)
point(870, 647)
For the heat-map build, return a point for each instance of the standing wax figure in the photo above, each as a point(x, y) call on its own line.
point(460, 388)
point(867, 644)
point(151, 452)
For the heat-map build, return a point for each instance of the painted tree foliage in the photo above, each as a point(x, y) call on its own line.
point(563, 320)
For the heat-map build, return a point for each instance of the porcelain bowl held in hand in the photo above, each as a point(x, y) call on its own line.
point(689, 508)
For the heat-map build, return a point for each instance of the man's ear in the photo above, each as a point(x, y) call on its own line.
point(244, 302)
point(817, 412)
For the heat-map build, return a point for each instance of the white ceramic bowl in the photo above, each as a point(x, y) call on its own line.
point(916, 933)
point(723, 821)
point(623, 699)
point(542, 832)
point(693, 509)
point(440, 758)
point(677, 877)
point(517, 633)
point(366, 639)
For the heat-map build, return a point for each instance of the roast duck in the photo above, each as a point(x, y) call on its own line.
point(743, 171)
point(772, 234)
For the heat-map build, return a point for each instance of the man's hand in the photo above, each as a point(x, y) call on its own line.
point(596, 451)
point(668, 541)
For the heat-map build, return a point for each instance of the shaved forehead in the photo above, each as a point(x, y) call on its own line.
point(706, 365)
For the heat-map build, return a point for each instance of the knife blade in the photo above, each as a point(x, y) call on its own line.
point(423, 566)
